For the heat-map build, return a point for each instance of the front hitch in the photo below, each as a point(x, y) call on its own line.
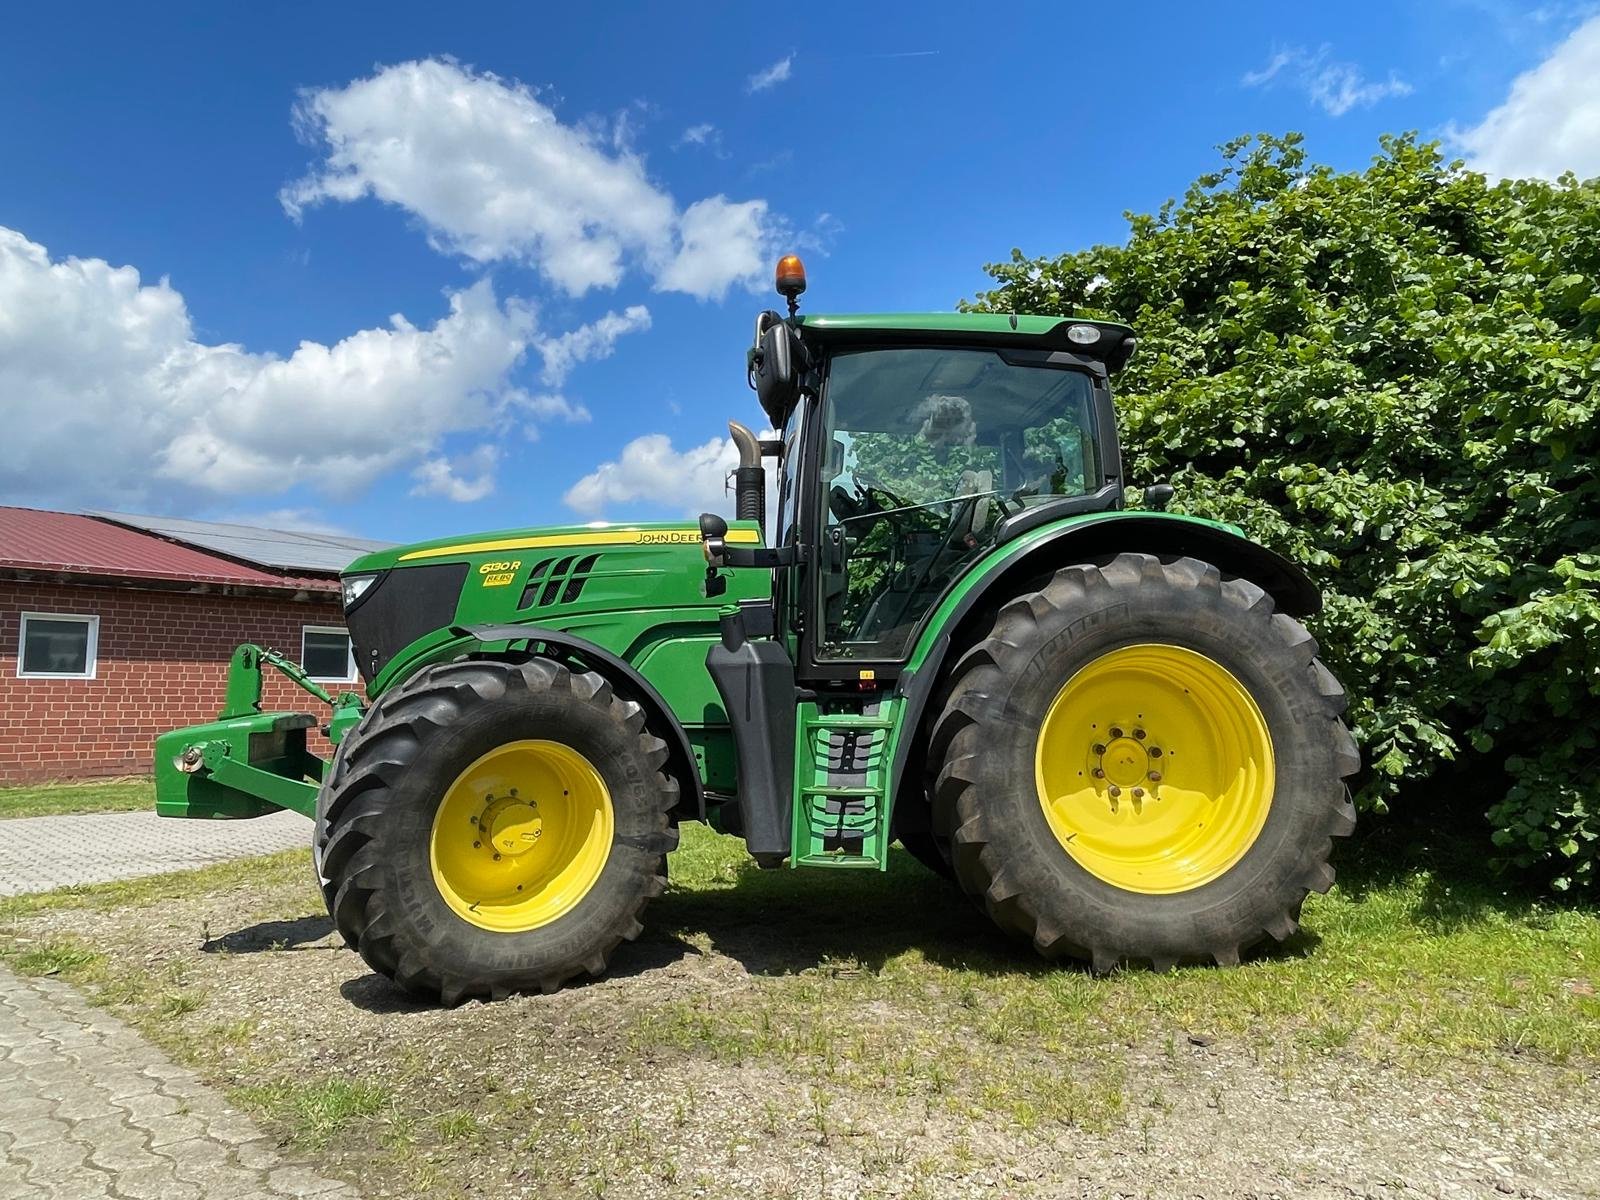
point(247, 762)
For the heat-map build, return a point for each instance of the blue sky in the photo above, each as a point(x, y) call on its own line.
point(574, 216)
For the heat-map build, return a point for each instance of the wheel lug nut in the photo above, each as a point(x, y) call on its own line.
point(1115, 790)
point(1116, 732)
point(1138, 793)
point(1098, 773)
point(1155, 751)
point(1138, 733)
point(475, 845)
point(1155, 776)
point(497, 858)
point(1098, 748)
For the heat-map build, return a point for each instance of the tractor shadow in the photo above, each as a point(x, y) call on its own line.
point(302, 933)
point(772, 923)
point(784, 922)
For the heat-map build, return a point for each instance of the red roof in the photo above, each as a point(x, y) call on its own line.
point(65, 543)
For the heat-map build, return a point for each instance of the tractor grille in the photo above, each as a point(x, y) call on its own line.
point(557, 581)
point(399, 608)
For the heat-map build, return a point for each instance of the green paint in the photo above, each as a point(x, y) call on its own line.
point(676, 667)
point(534, 542)
point(249, 766)
point(669, 577)
point(842, 819)
point(997, 560)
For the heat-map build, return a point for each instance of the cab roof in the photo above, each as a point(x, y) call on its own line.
point(1020, 330)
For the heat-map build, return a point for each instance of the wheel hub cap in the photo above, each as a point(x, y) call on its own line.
point(1125, 762)
point(514, 826)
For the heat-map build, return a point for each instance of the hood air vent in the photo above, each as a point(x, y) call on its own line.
point(557, 581)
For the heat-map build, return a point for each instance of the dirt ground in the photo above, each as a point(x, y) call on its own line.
point(617, 1089)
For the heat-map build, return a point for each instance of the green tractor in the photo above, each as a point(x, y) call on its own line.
point(1108, 727)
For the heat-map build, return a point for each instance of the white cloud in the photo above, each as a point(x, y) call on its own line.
point(493, 174)
point(1335, 87)
point(1550, 120)
point(723, 243)
point(772, 76)
point(550, 406)
point(650, 471)
point(595, 340)
point(111, 400)
point(705, 134)
point(463, 479)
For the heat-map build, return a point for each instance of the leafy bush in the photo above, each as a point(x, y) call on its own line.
point(1390, 376)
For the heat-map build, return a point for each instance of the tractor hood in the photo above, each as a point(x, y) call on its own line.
point(476, 546)
point(407, 599)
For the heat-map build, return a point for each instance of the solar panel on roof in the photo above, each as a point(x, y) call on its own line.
point(285, 549)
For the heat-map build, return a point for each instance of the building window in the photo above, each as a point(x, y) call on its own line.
point(326, 655)
point(57, 646)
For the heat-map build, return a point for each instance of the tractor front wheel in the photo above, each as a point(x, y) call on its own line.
point(1143, 761)
point(494, 827)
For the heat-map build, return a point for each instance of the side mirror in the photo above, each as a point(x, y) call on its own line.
point(774, 368)
point(713, 532)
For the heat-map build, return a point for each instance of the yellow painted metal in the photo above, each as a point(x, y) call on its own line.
point(587, 537)
point(1155, 769)
point(521, 836)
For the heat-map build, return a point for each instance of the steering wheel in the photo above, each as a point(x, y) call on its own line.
point(874, 494)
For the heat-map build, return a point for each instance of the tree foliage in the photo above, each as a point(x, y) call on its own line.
point(1390, 375)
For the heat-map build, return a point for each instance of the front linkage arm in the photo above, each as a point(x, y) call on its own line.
point(248, 762)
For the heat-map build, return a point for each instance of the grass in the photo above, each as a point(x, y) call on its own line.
point(95, 796)
point(315, 1111)
point(858, 993)
point(1414, 953)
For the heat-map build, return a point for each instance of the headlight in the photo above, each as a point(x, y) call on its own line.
point(355, 586)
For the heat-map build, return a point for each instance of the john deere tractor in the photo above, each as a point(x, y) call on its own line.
point(1108, 727)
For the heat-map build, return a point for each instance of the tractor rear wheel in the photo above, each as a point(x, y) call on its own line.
point(1143, 761)
point(494, 827)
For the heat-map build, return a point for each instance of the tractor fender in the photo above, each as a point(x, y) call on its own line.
point(627, 681)
point(1075, 540)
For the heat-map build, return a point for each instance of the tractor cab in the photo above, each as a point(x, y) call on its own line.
point(910, 447)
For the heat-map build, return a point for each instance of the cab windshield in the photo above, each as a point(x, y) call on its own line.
point(925, 452)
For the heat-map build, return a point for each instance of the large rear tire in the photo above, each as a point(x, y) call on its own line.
point(1143, 761)
point(493, 827)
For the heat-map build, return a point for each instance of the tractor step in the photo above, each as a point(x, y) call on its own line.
point(841, 785)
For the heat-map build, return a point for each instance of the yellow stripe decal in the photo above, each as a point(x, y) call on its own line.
point(594, 537)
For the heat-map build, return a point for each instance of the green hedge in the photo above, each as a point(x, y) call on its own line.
point(1391, 377)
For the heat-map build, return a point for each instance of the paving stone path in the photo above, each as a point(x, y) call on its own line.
point(89, 1109)
point(40, 853)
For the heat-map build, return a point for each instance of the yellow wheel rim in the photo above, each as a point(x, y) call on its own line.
point(521, 836)
point(1155, 769)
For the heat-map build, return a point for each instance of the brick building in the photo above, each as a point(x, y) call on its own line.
point(115, 628)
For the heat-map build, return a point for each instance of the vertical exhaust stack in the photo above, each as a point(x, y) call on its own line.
point(749, 478)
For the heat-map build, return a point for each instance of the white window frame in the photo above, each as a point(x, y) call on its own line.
point(91, 656)
point(350, 671)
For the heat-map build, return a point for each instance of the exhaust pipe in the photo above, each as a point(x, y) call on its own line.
point(749, 478)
